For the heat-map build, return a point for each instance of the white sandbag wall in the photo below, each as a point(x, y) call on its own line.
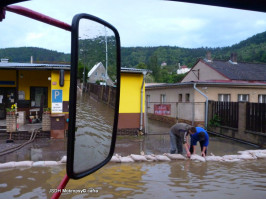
point(166, 157)
point(244, 155)
point(21, 164)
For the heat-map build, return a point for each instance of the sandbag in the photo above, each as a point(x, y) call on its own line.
point(23, 164)
point(175, 156)
point(126, 159)
point(50, 163)
point(197, 158)
point(247, 156)
point(259, 154)
point(115, 159)
point(213, 158)
point(162, 158)
point(7, 165)
point(63, 159)
point(150, 157)
point(232, 160)
point(230, 157)
point(38, 164)
point(138, 158)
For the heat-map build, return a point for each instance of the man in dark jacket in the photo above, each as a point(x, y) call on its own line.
point(178, 137)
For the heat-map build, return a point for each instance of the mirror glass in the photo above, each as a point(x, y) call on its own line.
point(96, 92)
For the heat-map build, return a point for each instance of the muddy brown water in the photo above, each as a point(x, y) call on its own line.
point(175, 179)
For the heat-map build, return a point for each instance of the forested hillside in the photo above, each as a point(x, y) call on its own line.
point(251, 50)
point(23, 54)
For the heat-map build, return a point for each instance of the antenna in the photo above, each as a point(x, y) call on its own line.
point(106, 55)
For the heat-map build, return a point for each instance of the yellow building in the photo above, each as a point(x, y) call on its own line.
point(34, 87)
point(132, 100)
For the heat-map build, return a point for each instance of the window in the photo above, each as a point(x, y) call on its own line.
point(39, 96)
point(187, 97)
point(148, 100)
point(224, 97)
point(163, 98)
point(243, 97)
point(262, 98)
point(180, 97)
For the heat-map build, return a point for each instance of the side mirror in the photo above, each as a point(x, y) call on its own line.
point(93, 108)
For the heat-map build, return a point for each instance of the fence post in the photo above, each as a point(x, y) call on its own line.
point(242, 117)
point(210, 111)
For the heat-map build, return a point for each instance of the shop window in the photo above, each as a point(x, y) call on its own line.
point(39, 96)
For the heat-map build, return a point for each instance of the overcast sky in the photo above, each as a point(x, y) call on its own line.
point(139, 22)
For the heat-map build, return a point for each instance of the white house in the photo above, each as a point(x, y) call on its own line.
point(182, 69)
point(98, 73)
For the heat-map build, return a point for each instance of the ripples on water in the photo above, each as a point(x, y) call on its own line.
point(94, 125)
point(178, 179)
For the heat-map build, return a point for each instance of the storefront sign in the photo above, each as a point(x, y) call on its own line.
point(162, 109)
point(57, 101)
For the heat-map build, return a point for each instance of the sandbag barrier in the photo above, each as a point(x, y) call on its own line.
point(32, 164)
point(244, 155)
point(166, 157)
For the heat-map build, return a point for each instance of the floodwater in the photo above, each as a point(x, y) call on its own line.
point(155, 180)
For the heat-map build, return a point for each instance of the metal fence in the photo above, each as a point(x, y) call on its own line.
point(104, 93)
point(227, 112)
point(256, 117)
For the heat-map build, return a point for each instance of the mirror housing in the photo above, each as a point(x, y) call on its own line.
point(71, 172)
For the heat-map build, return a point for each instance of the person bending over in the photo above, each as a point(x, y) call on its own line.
point(178, 138)
point(198, 134)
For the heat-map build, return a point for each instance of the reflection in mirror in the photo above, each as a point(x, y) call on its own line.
point(95, 95)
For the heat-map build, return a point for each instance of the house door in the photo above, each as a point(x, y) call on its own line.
point(7, 98)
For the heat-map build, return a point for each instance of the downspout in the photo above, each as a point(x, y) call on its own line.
point(206, 104)
point(141, 102)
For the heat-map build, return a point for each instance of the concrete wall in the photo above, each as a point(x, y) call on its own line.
point(189, 110)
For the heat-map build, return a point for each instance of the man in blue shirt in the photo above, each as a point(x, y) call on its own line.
point(198, 134)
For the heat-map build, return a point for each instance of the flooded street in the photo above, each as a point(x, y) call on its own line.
point(180, 179)
point(149, 180)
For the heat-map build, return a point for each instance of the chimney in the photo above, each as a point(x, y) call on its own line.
point(233, 58)
point(208, 57)
point(31, 59)
point(179, 67)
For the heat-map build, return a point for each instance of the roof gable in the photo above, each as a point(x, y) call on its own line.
point(203, 72)
point(94, 68)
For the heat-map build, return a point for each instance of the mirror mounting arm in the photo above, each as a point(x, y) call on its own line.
point(37, 16)
point(2, 14)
